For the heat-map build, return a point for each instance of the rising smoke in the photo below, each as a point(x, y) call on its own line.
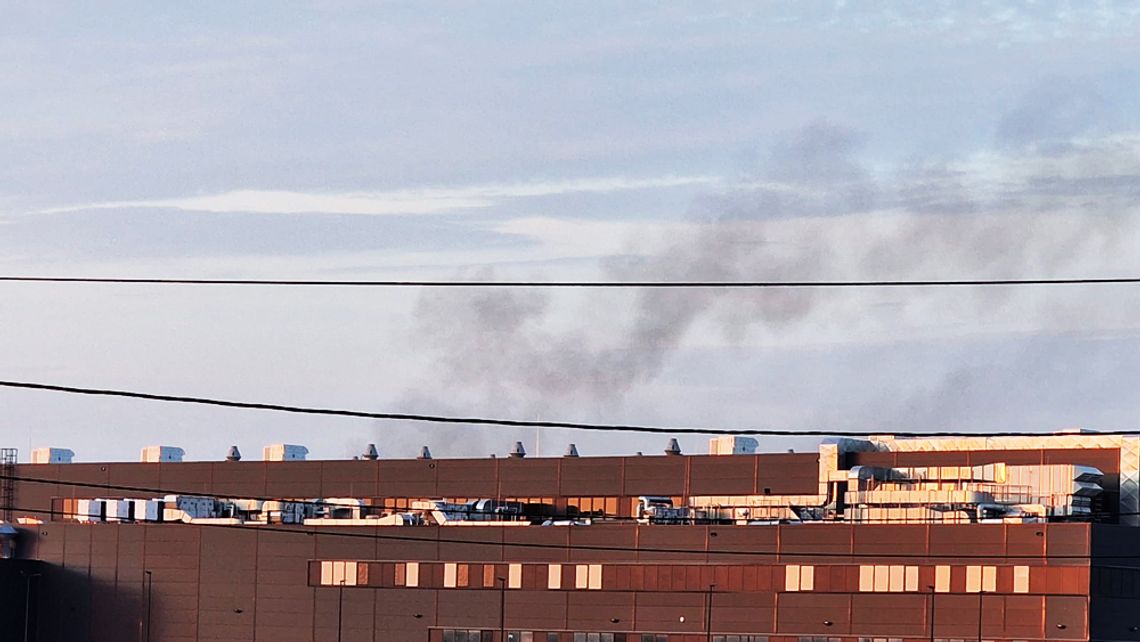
point(815, 212)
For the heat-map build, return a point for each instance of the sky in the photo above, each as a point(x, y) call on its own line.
point(547, 140)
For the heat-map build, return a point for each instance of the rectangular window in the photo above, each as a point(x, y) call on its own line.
point(464, 576)
point(882, 578)
point(401, 570)
point(326, 573)
point(1020, 579)
point(412, 575)
point(792, 577)
point(514, 576)
point(449, 573)
point(554, 576)
point(911, 583)
point(989, 578)
point(581, 576)
point(942, 579)
point(973, 579)
point(897, 577)
point(489, 576)
point(595, 577)
point(807, 578)
point(866, 578)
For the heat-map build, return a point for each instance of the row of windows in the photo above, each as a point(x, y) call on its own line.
point(476, 635)
point(607, 505)
point(692, 577)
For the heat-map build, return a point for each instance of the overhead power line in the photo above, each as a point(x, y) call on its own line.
point(488, 421)
point(903, 283)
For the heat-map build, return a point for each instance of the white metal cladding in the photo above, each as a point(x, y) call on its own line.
point(1129, 447)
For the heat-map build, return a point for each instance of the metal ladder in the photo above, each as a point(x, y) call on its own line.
point(7, 482)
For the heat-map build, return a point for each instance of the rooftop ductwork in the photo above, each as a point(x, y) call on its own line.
point(158, 454)
point(52, 456)
point(284, 452)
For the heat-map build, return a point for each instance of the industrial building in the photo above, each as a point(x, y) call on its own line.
point(880, 539)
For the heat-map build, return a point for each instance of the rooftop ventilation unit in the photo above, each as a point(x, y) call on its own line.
point(518, 452)
point(571, 451)
point(234, 454)
point(673, 448)
point(733, 445)
point(424, 453)
point(156, 454)
point(370, 453)
point(284, 452)
point(52, 456)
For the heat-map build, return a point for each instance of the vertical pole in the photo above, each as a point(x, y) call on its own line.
point(980, 594)
point(708, 613)
point(27, 604)
point(932, 593)
point(149, 593)
point(339, 609)
point(502, 609)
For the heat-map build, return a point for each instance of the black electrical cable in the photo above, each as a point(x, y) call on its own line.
point(486, 421)
point(905, 283)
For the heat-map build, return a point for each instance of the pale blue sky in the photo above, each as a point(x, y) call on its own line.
point(566, 140)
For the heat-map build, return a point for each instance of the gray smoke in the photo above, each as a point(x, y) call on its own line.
point(815, 213)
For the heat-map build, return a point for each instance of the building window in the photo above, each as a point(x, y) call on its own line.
point(449, 573)
point(514, 576)
point(799, 577)
point(981, 578)
point(336, 573)
point(595, 577)
point(1020, 579)
point(412, 574)
point(554, 576)
point(911, 578)
point(942, 579)
point(581, 576)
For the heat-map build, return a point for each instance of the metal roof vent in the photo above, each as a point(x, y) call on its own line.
point(424, 453)
point(518, 452)
point(370, 453)
point(673, 448)
point(234, 454)
point(571, 451)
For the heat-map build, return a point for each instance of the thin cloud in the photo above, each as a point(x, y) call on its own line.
point(394, 202)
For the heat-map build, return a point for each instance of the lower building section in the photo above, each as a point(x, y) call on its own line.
point(618, 583)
